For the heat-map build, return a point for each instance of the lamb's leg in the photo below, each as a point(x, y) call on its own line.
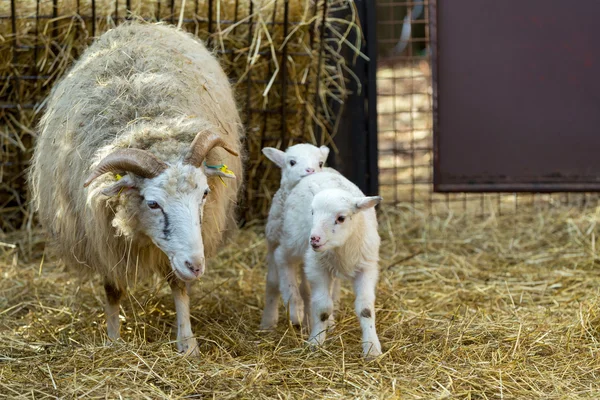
point(288, 284)
point(335, 295)
point(111, 310)
point(321, 304)
point(364, 288)
point(305, 294)
point(186, 342)
point(271, 310)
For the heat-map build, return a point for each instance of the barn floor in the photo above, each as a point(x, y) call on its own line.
point(501, 307)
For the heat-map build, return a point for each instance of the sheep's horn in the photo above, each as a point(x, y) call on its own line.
point(136, 161)
point(204, 142)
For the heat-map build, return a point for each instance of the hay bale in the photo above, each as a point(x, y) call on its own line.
point(278, 100)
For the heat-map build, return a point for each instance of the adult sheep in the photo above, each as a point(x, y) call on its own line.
point(121, 171)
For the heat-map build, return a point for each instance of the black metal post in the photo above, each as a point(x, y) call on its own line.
point(356, 136)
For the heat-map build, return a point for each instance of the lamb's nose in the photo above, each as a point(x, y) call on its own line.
point(315, 239)
point(310, 170)
point(197, 268)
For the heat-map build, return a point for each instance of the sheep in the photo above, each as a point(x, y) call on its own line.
point(331, 226)
point(126, 173)
point(296, 162)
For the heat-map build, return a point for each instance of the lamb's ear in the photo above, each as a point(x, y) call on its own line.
point(222, 172)
point(125, 183)
point(324, 151)
point(275, 155)
point(364, 203)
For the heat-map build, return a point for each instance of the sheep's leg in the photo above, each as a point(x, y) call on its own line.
point(305, 294)
point(364, 288)
point(288, 284)
point(186, 342)
point(271, 310)
point(111, 310)
point(321, 304)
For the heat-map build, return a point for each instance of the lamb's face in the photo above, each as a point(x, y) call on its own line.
point(333, 212)
point(170, 214)
point(297, 161)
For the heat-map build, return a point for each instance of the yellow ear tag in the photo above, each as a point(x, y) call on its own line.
point(223, 168)
point(118, 178)
point(227, 171)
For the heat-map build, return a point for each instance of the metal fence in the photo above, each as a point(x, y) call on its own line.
point(405, 121)
point(282, 57)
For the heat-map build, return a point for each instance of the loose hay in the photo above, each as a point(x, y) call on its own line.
point(281, 102)
point(501, 307)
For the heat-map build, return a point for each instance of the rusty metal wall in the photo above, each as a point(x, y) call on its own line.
point(405, 120)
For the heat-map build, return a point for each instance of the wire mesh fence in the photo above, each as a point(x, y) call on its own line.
point(281, 56)
point(405, 121)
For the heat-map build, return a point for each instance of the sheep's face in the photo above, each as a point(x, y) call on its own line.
point(333, 216)
point(297, 161)
point(170, 214)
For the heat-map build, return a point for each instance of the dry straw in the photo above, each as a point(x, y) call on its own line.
point(501, 307)
point(286, 76)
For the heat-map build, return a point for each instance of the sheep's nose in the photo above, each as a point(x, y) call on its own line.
point(310, 170)
point(315, 239)
point(197, 267)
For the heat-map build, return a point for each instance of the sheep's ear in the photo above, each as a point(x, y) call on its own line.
point(222, 172)
point(324, 152)
point(364, 203)
point(275, 155)
point(124, 183)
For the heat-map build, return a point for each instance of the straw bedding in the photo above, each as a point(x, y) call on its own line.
point(500, 307)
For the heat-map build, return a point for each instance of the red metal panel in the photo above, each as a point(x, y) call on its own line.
point(516, 95)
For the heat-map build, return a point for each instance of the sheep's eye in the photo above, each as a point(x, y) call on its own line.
point(152, 204)
point(292, 163)
point(340, 219)
point(321, 164)
point(205, 193)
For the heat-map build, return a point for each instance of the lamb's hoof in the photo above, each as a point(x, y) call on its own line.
point(188, 347)
point(267, 325)
point(371, 350)
point(297, 315)
point(313, 343)
point(114, 341)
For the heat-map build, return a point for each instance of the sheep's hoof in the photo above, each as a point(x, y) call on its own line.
point(188, 347)
point(371, 350)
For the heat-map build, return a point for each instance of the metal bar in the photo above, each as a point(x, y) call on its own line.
point(172, 17)
point(210, 19)
point(319, 133)
point(249, 78)
point(370, 33)
point(93, 18)
point(286, 12)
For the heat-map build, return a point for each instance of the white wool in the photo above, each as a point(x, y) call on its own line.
point(347, 249)
point(147, 87)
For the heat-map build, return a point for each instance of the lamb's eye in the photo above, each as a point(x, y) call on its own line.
point(206, 193)
point(292, 163)
point(340, 219)
point(152, 204)
point(321, 164)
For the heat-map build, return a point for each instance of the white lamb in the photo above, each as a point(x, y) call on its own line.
point(296, 162)
point(331, 226)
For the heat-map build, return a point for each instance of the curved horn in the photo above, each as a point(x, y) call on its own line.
point(136, 161)
point(204, 142)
